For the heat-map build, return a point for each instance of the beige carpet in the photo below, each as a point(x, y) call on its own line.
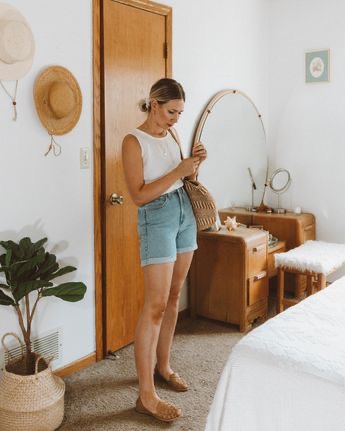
point(102, 396)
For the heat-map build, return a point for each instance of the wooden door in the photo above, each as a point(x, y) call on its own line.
point(134, 57)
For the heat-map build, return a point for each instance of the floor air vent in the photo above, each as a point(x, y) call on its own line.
point(48, 345)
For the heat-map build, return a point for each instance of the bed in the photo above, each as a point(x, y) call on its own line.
point(289, 373)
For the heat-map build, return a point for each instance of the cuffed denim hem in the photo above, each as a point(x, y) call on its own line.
point(186, 250)
point(155, 260)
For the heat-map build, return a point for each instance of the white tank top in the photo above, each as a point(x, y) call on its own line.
point(160, 156)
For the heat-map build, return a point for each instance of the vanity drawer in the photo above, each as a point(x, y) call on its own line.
point(257, 259)
point(257, 288)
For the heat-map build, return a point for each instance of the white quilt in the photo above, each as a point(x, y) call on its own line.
point(289, 373)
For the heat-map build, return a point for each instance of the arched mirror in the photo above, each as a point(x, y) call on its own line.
point(236, 167)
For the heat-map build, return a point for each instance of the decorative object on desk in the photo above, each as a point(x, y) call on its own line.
point(317, 66)
point(256, 226)
point(297, 210)
point(279, 182)
point(203, 204)
point(230, 223)
point(17, 49)
point(58, 103)
point(262, 207)
point(272, 240)
point(253, 187)
point(242, 225)
point(214, 228)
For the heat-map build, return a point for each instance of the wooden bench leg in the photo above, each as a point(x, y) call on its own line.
point(321, 281)
point(310, 285)
point(280, 291)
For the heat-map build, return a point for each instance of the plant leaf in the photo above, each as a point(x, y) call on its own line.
point(25, 245)
point(48, 266)
point(25, 288)
point(61, 272)
point(5, 299)
point(39, 244)
point(72, 291)
point(29, 264)
point(8, 257)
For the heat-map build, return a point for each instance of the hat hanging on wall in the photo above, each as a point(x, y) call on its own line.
point(17, 49)
point(58, 102)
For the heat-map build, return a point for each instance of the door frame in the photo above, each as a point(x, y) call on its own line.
point(99, 151)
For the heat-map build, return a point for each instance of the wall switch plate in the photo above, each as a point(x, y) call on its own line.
point(84, 158)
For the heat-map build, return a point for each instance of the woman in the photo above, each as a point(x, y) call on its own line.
point(167, 230)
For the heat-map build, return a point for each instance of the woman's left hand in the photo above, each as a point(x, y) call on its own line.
point(199, 150)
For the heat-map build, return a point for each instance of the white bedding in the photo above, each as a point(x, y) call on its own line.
point(289, 373)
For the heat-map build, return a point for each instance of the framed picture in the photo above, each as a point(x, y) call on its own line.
point(317, 66)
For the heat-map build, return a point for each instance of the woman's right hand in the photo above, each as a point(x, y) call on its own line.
point(188, 166)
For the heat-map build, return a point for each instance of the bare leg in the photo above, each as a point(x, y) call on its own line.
point(168, 325)
point(157, 280)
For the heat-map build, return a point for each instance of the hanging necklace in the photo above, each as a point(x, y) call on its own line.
point(54, 146)
point(13, 98)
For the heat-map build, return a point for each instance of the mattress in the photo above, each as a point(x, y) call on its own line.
point(289, 373)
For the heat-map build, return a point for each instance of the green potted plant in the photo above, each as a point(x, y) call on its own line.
point(31, 396)
point(28, 268)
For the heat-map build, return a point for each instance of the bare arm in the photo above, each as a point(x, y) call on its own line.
point(140, 192)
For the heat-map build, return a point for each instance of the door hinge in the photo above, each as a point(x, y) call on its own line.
point(165, 50)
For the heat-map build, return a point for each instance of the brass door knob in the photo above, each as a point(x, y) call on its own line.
point(116, 199)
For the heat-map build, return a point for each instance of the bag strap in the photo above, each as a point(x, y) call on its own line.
point(177, 142)
point(179, 145)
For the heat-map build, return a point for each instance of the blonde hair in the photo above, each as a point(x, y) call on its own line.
point(163, 91)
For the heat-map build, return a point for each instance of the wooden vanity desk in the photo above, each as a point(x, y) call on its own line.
point(228, 278)
point(292, 228)
point(280, 247)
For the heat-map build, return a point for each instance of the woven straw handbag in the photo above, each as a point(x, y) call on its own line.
point(30, 402)
point(203, 204)
point(204, 207)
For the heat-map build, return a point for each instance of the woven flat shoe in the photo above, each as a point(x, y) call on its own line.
point(175, 382)
point(166, 412)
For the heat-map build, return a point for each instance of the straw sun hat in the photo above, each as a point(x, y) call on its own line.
point(58, 100)
point(17, 45)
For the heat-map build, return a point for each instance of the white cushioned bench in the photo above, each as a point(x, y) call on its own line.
point(315, 260)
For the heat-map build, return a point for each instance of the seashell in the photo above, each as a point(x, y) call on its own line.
point(230, 223)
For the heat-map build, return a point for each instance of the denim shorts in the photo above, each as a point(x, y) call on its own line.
point(166, 226)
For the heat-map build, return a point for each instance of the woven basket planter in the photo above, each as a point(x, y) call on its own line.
point(30, 402)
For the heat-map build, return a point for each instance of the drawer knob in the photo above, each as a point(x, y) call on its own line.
point(259, 247)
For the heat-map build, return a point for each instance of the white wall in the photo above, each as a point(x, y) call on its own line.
point(306, 121)
point(216, 46)
point(51, 196)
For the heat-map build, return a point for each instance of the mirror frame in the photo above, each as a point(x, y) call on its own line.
point(207, 111)
point(211, 104)
point(285, 186)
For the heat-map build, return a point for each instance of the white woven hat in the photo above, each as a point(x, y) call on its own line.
point(17, 44)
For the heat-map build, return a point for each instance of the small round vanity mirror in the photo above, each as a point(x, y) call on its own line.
point(279, 183)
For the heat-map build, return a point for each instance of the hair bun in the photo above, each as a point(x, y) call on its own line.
point(144, 105)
